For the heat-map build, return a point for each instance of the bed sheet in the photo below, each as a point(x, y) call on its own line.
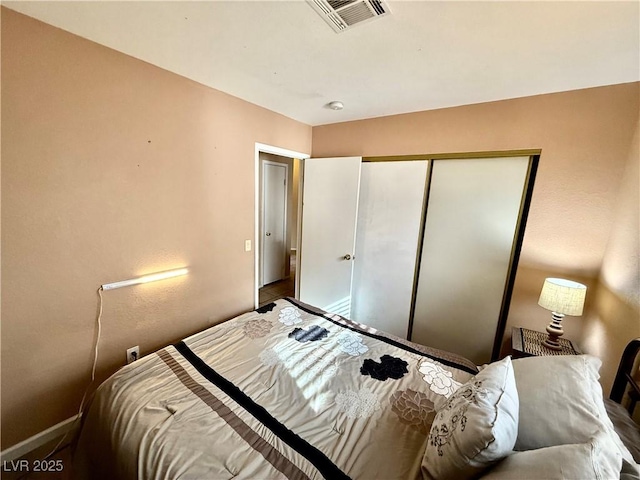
point(286, 391)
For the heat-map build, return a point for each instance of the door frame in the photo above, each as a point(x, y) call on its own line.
point(261, 147)
point(263, 213)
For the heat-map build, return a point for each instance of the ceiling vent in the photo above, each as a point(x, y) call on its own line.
point(344, 14)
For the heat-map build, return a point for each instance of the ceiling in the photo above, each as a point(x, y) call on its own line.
point(425, 55)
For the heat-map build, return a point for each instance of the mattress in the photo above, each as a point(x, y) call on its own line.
point(286, 391)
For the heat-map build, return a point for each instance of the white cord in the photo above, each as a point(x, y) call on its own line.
point(93, 376)
point(95, 356)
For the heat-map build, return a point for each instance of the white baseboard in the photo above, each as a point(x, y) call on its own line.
point(39, 439)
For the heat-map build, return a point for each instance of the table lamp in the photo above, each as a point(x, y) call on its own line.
point(562, 297)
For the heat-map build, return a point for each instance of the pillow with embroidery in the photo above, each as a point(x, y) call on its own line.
point(476, 427)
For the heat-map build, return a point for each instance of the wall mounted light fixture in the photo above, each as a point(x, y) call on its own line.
point(112, 286)
point(153, 277)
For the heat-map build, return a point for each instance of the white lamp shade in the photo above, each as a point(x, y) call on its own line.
point(563, 296)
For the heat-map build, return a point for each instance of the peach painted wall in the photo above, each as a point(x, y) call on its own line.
point(616, 316)
point(112, 168)
point(585, 137)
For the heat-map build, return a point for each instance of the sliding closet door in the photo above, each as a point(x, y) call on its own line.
point(472, 215)
point(389, 213)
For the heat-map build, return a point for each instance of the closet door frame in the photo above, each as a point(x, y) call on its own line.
point(534, 158)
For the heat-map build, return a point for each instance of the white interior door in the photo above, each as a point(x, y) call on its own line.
point(329, 213)
point(472, 216)
point(274, 201)
point(389, 215)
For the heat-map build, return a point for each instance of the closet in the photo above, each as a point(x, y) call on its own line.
point(437, 245)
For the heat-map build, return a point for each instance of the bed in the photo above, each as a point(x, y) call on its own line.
point(290, 391)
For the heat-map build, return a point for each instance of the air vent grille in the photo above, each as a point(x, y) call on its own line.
point(356, 14)
point(344, 14)
point(377, 6)
point(336, 4)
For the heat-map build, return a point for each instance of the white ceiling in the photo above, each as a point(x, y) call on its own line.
point(425, 55)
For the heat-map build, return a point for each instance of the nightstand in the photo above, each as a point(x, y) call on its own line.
point(528, 343)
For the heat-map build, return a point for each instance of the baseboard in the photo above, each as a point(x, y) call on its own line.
point(39, 439)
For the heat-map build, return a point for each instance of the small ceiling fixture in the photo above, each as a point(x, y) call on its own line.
point(335, 105)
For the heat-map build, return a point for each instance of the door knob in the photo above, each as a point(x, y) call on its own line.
point(347, 257)
point(268, 234)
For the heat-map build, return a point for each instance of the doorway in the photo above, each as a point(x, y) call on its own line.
point(277, 225)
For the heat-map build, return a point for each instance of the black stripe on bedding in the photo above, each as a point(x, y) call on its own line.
point(255, 441)
point(390, 341)
point(319, 460)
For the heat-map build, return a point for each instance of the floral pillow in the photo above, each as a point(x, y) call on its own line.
point(476, 427)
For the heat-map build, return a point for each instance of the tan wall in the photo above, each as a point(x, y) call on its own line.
point(616, 316)
point(113, 168)
point(585, 137)
point(621, 264)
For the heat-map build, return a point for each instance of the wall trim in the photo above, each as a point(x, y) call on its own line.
point(39, 439)
point(455, 156)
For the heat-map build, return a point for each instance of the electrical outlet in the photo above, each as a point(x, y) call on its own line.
point(247, 245)
point(133, 354)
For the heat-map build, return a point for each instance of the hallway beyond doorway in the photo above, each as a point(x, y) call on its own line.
point(281, 288)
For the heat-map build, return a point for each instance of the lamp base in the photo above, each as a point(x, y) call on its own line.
point(551, 343)
point(555, 331)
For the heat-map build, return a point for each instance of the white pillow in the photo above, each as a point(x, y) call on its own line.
point(561, 402)
point(476, 427)
point(596, 459)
